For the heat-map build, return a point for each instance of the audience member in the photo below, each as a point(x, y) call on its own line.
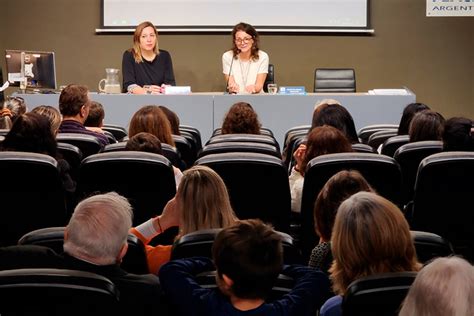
point(408, 112)
point(145, 67)
point(444, 287)
point(338, 188)
point(96, 116)
point(335, 115)
point(241, 119)
point(201, 202)
point(370, 236)
point(172, 118)
point(248, 257)
point(321, 140)
point(74, 104)
point(52, 114)
point(151, 119)
point(457, 134)
point(245, 66)
point(426, 125)
point(10, 109)
point(150, 143)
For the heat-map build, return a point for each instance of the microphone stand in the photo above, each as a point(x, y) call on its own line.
point(230, 72)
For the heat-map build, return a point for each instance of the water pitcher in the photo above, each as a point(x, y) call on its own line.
point(111, 83)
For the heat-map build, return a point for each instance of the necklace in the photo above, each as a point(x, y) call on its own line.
point(246, 71)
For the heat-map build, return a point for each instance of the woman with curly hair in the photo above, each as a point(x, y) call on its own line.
point(241, 119)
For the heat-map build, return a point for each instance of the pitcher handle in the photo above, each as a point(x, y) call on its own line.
point(100, 88)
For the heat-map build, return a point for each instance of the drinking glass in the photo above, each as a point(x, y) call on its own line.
point(272, 88)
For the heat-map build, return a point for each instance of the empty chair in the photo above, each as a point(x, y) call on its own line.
point(265, 139)
point(192, 140)
point(270, 77)
point(409, 157)
point(187, 152)
point(381, 172)
point(32, 195)
point(378, 138)
point(199, 243)
point(257, 183)
point(146, 179)
point(442, 201)
point(363, 148)
point(429, 246)
point(88, 144)
point(117, 131)
point(194, 131)
point(377, 295)
point(226, 147)
point(365, 132)
point(110, 137)
point(53, 237)
point(56, 292)
point(391, 144)
point(334, 80)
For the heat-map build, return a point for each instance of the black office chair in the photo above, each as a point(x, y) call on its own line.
point(146, 179)
point(270, 77)
point(430, 246)
point(226, 147)
point(110, 137)
point(390, 145)
point(442, 202)
point(365, 132)
point(194, 131)
point(88, 144)
point(257, 183)
point(265, 139)
point(73, 155)
point(363, 148)
point(263, 131)
point(32, 195)
point(379, 137)
point(334, 80)
point(56, 292)
point(187, 152)
point(383, 174)
point(377, 295)
point(117, 131)
point(135, 260)
point(292, 135)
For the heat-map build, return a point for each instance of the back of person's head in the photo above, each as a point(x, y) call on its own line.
point(144, 142)
point(52, 114)
point(443, 287)
point(96, 115)
point(31, 132)
point(335, 115)
point(370, 236)
point(72, 98)
point(250, 30)
point(98, 229)
point(408, 112)
point(204, 201)
point(457, 134)
point(172, 118)
point(426, 125)
point(338, 188)
point(151, 119)
point(11, 108)
point(324, 140)
point(250, 253)
point(241, 119)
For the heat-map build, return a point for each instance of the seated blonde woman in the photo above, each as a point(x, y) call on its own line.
point(201, 202)
point(370, 236)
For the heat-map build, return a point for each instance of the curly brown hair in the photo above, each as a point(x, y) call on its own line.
point(241, 119)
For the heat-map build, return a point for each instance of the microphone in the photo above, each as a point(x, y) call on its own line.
point(230, 71)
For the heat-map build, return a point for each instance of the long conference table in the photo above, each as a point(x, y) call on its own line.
point(206, 111)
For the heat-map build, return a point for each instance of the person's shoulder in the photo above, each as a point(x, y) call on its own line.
point(332, 307)
point(228, 54)
point(127, 53)
point(262, 54)
point(164, 52)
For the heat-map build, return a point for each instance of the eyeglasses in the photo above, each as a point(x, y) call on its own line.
point(243, 40)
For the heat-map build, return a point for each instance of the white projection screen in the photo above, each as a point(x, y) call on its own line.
point(221, 15)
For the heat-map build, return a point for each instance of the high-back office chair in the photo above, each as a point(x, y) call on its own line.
point(118, 131)
point(270, 77)
point(265, 139)
point(88, 144)
point(391, 144)
point(226, 147)
point(365, 132)
point(379, 137)
point(263, 131)
point(56, 292)
point(334, 80)
point(193, 131)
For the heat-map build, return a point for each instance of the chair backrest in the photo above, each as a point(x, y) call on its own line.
point(263, 131)
point(226, 147)
point(56, 292)
point(383, 174)
point(88, 144)
point(73, 155)
point(334, 80)
point(391, 144)
point(442, 202)
point(409, 157)
point(429, 246)
point(257, 184)
point(380, 294)
point(363, 148)
point(33, 195)
point(187, 152)
point(110, 137)
point(365, 132)
point(146, 179)
point(199, 243)
point(270, 77)
point(118, 131)
point(194, 131)
point(379, 137)
point(292, 135)
point(53, 237)
point(192, 140)
point(265, 139)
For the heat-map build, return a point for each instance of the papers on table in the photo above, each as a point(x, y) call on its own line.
point(388, 92)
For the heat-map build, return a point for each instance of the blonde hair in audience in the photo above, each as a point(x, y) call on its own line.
point(443, 287)
point(52, 114)
point(370, 236)
point(136, 49)
point(204, 201)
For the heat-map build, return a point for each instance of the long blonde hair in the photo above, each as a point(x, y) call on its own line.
point(136, 50)
point(370, 236)
point(203, 200)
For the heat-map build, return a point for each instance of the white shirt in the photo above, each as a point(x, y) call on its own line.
point(245, 72)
